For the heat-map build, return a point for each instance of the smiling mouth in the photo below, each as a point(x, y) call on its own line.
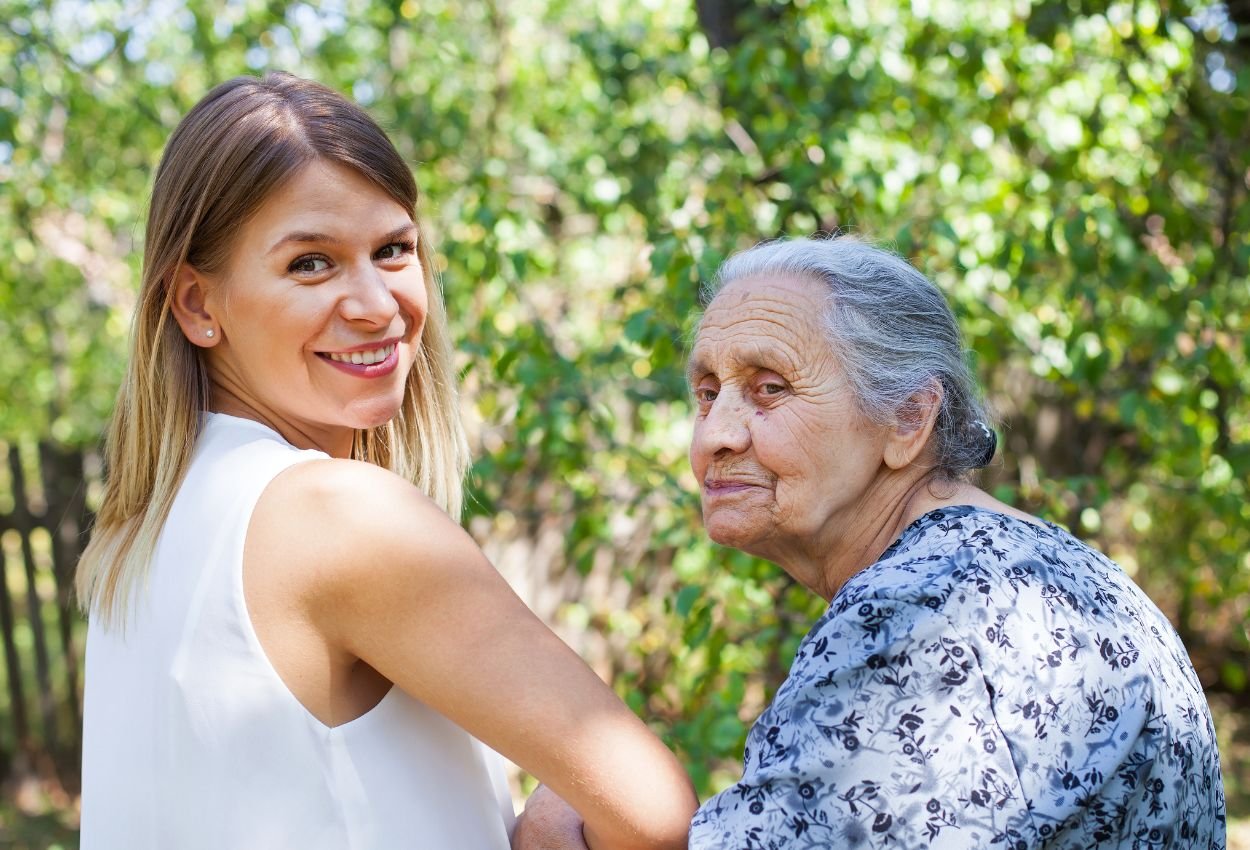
point(360, 358)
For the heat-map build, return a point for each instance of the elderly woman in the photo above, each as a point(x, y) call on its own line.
point(981, 678)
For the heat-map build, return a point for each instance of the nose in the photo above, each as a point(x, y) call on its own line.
point(724, 430)
point(369, 299)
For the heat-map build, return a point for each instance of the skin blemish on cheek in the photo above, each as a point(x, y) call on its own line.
point(759, 414)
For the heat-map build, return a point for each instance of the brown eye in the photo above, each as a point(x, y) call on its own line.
point(772, 389)
point(310, 264)
point(395, 250)
point(705, 390)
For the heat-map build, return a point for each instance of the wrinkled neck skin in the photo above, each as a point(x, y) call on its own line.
point(825, 561)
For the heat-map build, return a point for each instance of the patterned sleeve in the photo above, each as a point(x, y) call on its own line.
point(882, 736)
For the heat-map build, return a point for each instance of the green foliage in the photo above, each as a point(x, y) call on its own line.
point(1074, 175)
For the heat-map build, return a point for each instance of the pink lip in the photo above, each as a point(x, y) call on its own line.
point(365, 370)
point(724, 487)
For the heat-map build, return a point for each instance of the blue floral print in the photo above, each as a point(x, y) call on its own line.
point(987, 683)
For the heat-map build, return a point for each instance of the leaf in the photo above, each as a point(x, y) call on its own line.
point(686, 598)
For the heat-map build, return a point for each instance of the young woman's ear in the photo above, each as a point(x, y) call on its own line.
point(907, 440)
point(191, 309)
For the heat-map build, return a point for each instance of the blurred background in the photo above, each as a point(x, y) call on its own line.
point(1074, 173)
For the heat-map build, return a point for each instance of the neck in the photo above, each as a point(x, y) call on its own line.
point(829, 559)
point(334, 441)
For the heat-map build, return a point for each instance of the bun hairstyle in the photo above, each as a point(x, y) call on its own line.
point(990, 441)
point(893, 334)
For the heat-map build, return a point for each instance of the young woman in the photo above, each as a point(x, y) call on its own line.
point(292, 642)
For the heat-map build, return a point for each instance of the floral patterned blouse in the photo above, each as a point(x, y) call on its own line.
point(988, 683)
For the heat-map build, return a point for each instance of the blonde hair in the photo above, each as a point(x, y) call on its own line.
point(227, 155)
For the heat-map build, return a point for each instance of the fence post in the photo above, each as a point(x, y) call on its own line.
point(12, 664)
point(65, 484)
point(25, 523)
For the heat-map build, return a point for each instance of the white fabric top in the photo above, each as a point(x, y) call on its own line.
point(192, 740)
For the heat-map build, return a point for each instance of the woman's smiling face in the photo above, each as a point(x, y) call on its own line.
point(784, 457)
point(319, 312)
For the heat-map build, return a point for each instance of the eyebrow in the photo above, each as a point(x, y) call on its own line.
point(305, 236)
point(693, 367)
point(771, 358)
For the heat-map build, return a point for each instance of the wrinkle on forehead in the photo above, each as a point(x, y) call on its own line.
point(759, 321)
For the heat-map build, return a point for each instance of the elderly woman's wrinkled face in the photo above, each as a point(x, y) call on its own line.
point(781, 452)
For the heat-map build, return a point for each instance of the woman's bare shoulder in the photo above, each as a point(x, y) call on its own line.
point(346, 491)
point(327, 522)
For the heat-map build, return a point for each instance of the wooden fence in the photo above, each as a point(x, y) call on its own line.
point(43, 516)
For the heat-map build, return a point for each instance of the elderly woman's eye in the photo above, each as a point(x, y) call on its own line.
point(706, 395)
point(310, 264)
point(772, 388)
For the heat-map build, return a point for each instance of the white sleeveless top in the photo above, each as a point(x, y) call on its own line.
point(191, 739)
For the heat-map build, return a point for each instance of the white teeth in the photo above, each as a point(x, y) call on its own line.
point(364, 358)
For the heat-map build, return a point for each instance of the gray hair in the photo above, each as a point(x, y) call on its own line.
point(892, 333)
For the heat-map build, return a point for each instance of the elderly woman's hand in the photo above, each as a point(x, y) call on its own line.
point(548, 823)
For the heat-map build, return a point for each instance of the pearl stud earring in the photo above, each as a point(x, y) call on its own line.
point(210, 333)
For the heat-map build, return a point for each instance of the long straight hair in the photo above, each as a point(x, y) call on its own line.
point(243, 140)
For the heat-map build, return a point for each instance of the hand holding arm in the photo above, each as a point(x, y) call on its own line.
point(548, 823)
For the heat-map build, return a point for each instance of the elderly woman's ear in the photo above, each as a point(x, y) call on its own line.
point(910, 434)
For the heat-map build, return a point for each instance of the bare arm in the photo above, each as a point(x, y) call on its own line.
point(386, 577)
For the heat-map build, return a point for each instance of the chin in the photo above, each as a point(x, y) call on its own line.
point(727, 532)
point(373, 422)
point(373, 414)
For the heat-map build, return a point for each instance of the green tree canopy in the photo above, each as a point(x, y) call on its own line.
point(1073, 173)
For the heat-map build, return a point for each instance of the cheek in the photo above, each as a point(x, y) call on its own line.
point(784, 443)
point(414, 302)
point(418, 327)
point(697, 458)
point(272, 319)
